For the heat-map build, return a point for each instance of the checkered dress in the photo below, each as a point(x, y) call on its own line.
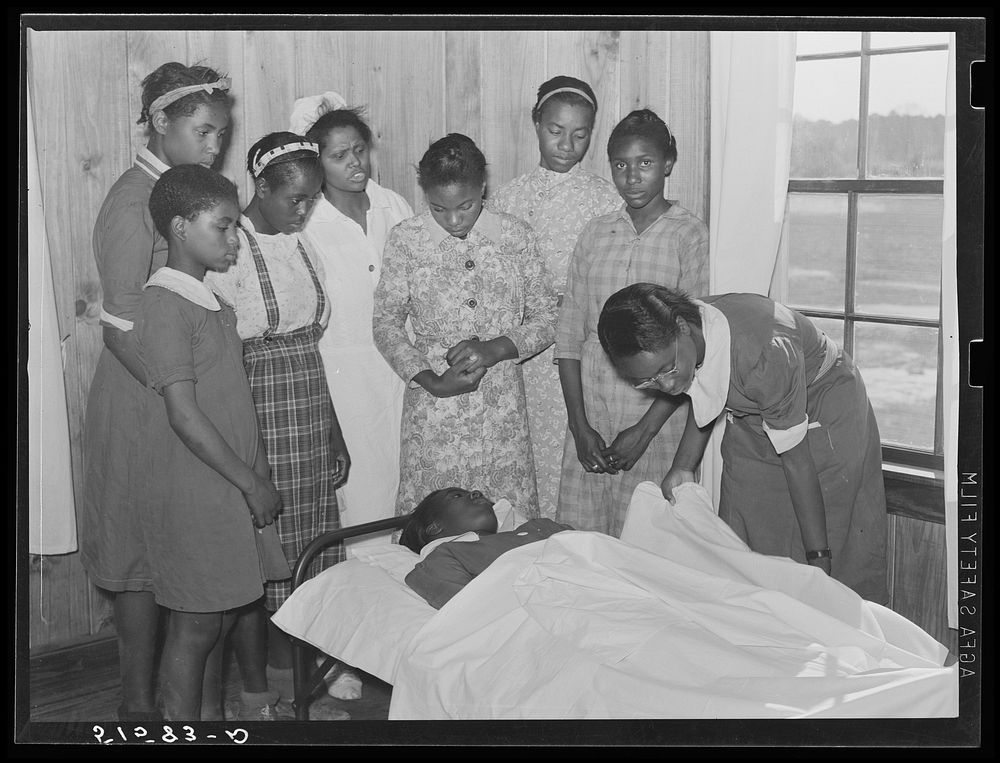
point(295, 411)
point(609, 255)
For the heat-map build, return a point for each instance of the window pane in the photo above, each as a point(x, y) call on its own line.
point(899, 255)
point(817, 250)
point(832, 328)
point(899, 366)
point(807, 43)
point(905, 39)
point(825, 119)
point(906, 115)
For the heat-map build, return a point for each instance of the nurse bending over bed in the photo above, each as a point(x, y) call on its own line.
point(802, 466)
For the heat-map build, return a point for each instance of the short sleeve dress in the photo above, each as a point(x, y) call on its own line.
point(282, 310)
point(127, 249)
point(204, 551)
point(610, 255)
point(787, 381)
point(492, 283)
point(557, 205)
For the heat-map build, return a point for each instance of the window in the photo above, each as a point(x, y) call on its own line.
point(865, 209)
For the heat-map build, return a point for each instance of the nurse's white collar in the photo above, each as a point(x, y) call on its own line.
point(709, 389)
point(185, 286)
point(487, 226)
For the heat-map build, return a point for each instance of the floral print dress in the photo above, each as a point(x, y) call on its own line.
point(492, 283)
point(557, 205)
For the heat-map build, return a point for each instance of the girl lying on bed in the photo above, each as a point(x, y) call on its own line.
point(676, 619)
point(461, 526)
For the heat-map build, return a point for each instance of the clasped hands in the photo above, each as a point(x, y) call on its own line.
point(620, 455)
point(468, 362)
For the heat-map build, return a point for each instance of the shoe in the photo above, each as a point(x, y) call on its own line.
point(281, 681)
point(341, 681)
point(259, 706)
point(138, 716)
point(325, 711)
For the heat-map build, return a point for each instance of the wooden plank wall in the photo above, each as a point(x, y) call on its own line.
point(918, 579)
point(415, 87)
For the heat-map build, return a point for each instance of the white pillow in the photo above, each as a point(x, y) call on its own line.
point(358, 613)
point(507, 516)
point(395, 559)
point(361, 610)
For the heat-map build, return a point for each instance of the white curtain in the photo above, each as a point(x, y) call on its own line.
point(51, 512)
point(753, 81)
point(949, 342)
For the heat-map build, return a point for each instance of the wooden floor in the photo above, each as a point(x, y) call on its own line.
point(81, 683)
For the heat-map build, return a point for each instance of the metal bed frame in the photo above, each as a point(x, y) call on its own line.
point(306, 681)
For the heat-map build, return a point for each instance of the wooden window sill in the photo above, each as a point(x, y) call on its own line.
point(914, 492)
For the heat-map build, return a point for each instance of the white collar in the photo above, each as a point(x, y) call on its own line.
point(463, 538)
point(324, 210)
point(150, 163)
point(710, 388)
point(186, 286)
point(487, 226)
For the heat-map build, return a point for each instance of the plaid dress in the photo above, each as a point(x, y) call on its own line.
point(295, 412)
point(610, 255)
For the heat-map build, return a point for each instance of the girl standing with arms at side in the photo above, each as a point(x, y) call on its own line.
point(556, 199)
point(347, 230)
point(187, 111)
point(276, 288)
point(475, 289)
point(620, 436)
point(210, 511)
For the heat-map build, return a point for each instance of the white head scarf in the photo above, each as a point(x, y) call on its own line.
point(307, 110)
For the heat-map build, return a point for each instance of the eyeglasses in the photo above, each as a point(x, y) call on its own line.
point(654, 381)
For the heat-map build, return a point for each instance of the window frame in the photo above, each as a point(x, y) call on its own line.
point(854, 188)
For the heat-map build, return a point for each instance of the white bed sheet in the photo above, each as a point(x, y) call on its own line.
point(583, 625)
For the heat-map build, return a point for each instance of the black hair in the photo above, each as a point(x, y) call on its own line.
point(454, 158)
point(339, 118)
point(643, 317)
point(644, 123)
point(173, 75)
point(286, 167)
point(573, 99)
point(414, 535)
point(188, 190)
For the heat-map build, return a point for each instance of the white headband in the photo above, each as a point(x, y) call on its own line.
point(576, 90)
point(307, 110)
point(269, 156)
point(167, 98)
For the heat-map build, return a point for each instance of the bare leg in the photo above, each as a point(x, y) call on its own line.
point(249, 639)
point(137, 619)
point(279, 648)
point(211, 686)
point(191, 636)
